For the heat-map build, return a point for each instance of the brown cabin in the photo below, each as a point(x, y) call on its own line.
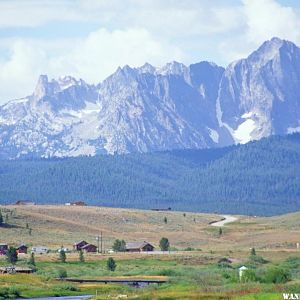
point(3, 249)
point(22, 249)
point(139, 247)
point(89, 248)
point(78, 246)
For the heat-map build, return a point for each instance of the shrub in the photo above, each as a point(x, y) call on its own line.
point(31, 260)
point(258, 259)
point(111, 264)
point(62, 274)
point(119, 246)
point(277, 275)
point(249, 276)
point(62, 255)
point(164, 244)
point(81, 256)
point(12, 255)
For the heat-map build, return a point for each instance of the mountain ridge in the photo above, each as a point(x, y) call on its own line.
point(149, 109)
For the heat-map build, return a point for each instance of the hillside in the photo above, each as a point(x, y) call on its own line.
point(259, 178)
point(61, 225)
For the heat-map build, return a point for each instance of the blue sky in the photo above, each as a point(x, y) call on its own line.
point(91, 38)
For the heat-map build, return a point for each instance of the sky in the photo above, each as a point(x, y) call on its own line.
point(89, 39)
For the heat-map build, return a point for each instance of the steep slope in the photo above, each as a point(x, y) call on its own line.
point(153, 109)
point(133, 110)
point(260, 95)
point(259, 178)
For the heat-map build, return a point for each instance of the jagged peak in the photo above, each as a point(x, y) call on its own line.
point(172, 67)
point(147, 68)
point(270, 49)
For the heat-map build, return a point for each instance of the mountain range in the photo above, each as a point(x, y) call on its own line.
point(150, 109)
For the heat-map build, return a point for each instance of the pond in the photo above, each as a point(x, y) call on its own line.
point(64, 298)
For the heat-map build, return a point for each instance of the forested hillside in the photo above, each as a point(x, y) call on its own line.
point(260, 178)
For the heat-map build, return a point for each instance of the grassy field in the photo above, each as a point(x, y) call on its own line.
point(192, 274)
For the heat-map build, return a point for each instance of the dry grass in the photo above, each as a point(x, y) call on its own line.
point(54, 226)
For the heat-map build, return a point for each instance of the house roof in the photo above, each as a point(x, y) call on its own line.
point(88, 245)
point(137, 245)
point(21, 245)
point(81, 242)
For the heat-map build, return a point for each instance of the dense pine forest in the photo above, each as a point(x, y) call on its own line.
point(259, 178)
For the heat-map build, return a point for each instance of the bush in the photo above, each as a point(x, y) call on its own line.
point(164, 244)
point(119, 245)
point(258, 259)
point(12, 255)
point(277, 275)
point(62, 274)
point(11, 292)
point(67, 287)
point(249, 276)
point(111, 264)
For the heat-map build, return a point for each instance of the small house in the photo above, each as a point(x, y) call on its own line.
point(139, 247)
point(78, 246)
point(78, 203)
point(89, 248)
point(24, 202)
point(3, 249)
point(40, 250)
point(22, 249)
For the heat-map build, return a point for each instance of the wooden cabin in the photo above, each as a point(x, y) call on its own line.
point(139, 247)
point(89, 248)
point(22, 249)
point(3, 249)
point(78, 246)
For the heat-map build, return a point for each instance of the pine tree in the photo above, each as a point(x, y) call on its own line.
point(220, 231)
point(62, 255)
point(253, 251)
point(31, 260)
point(81, 256)
point(165, 220)
point(1, 218)
point(164, 244)
point(111, 264)
point(12, 255)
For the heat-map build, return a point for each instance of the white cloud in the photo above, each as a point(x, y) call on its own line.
point(262, 20)
point(91, 58)
point(131, 32)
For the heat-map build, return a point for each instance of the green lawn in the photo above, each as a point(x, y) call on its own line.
point(187, 280)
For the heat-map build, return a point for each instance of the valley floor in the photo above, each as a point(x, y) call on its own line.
point(195, 266)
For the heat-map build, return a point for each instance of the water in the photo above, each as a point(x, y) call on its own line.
point(64, 298)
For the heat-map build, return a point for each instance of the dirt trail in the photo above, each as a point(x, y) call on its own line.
point(227, 219)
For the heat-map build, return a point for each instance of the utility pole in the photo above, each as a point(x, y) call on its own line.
point(101, 243)
point(97, 239)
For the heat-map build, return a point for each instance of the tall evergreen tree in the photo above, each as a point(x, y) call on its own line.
point(31, 260)
point(1, 218)
point(62, 255)
point(12, 255)
point(111, 264)
point(164, 244)
point(81, 256)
